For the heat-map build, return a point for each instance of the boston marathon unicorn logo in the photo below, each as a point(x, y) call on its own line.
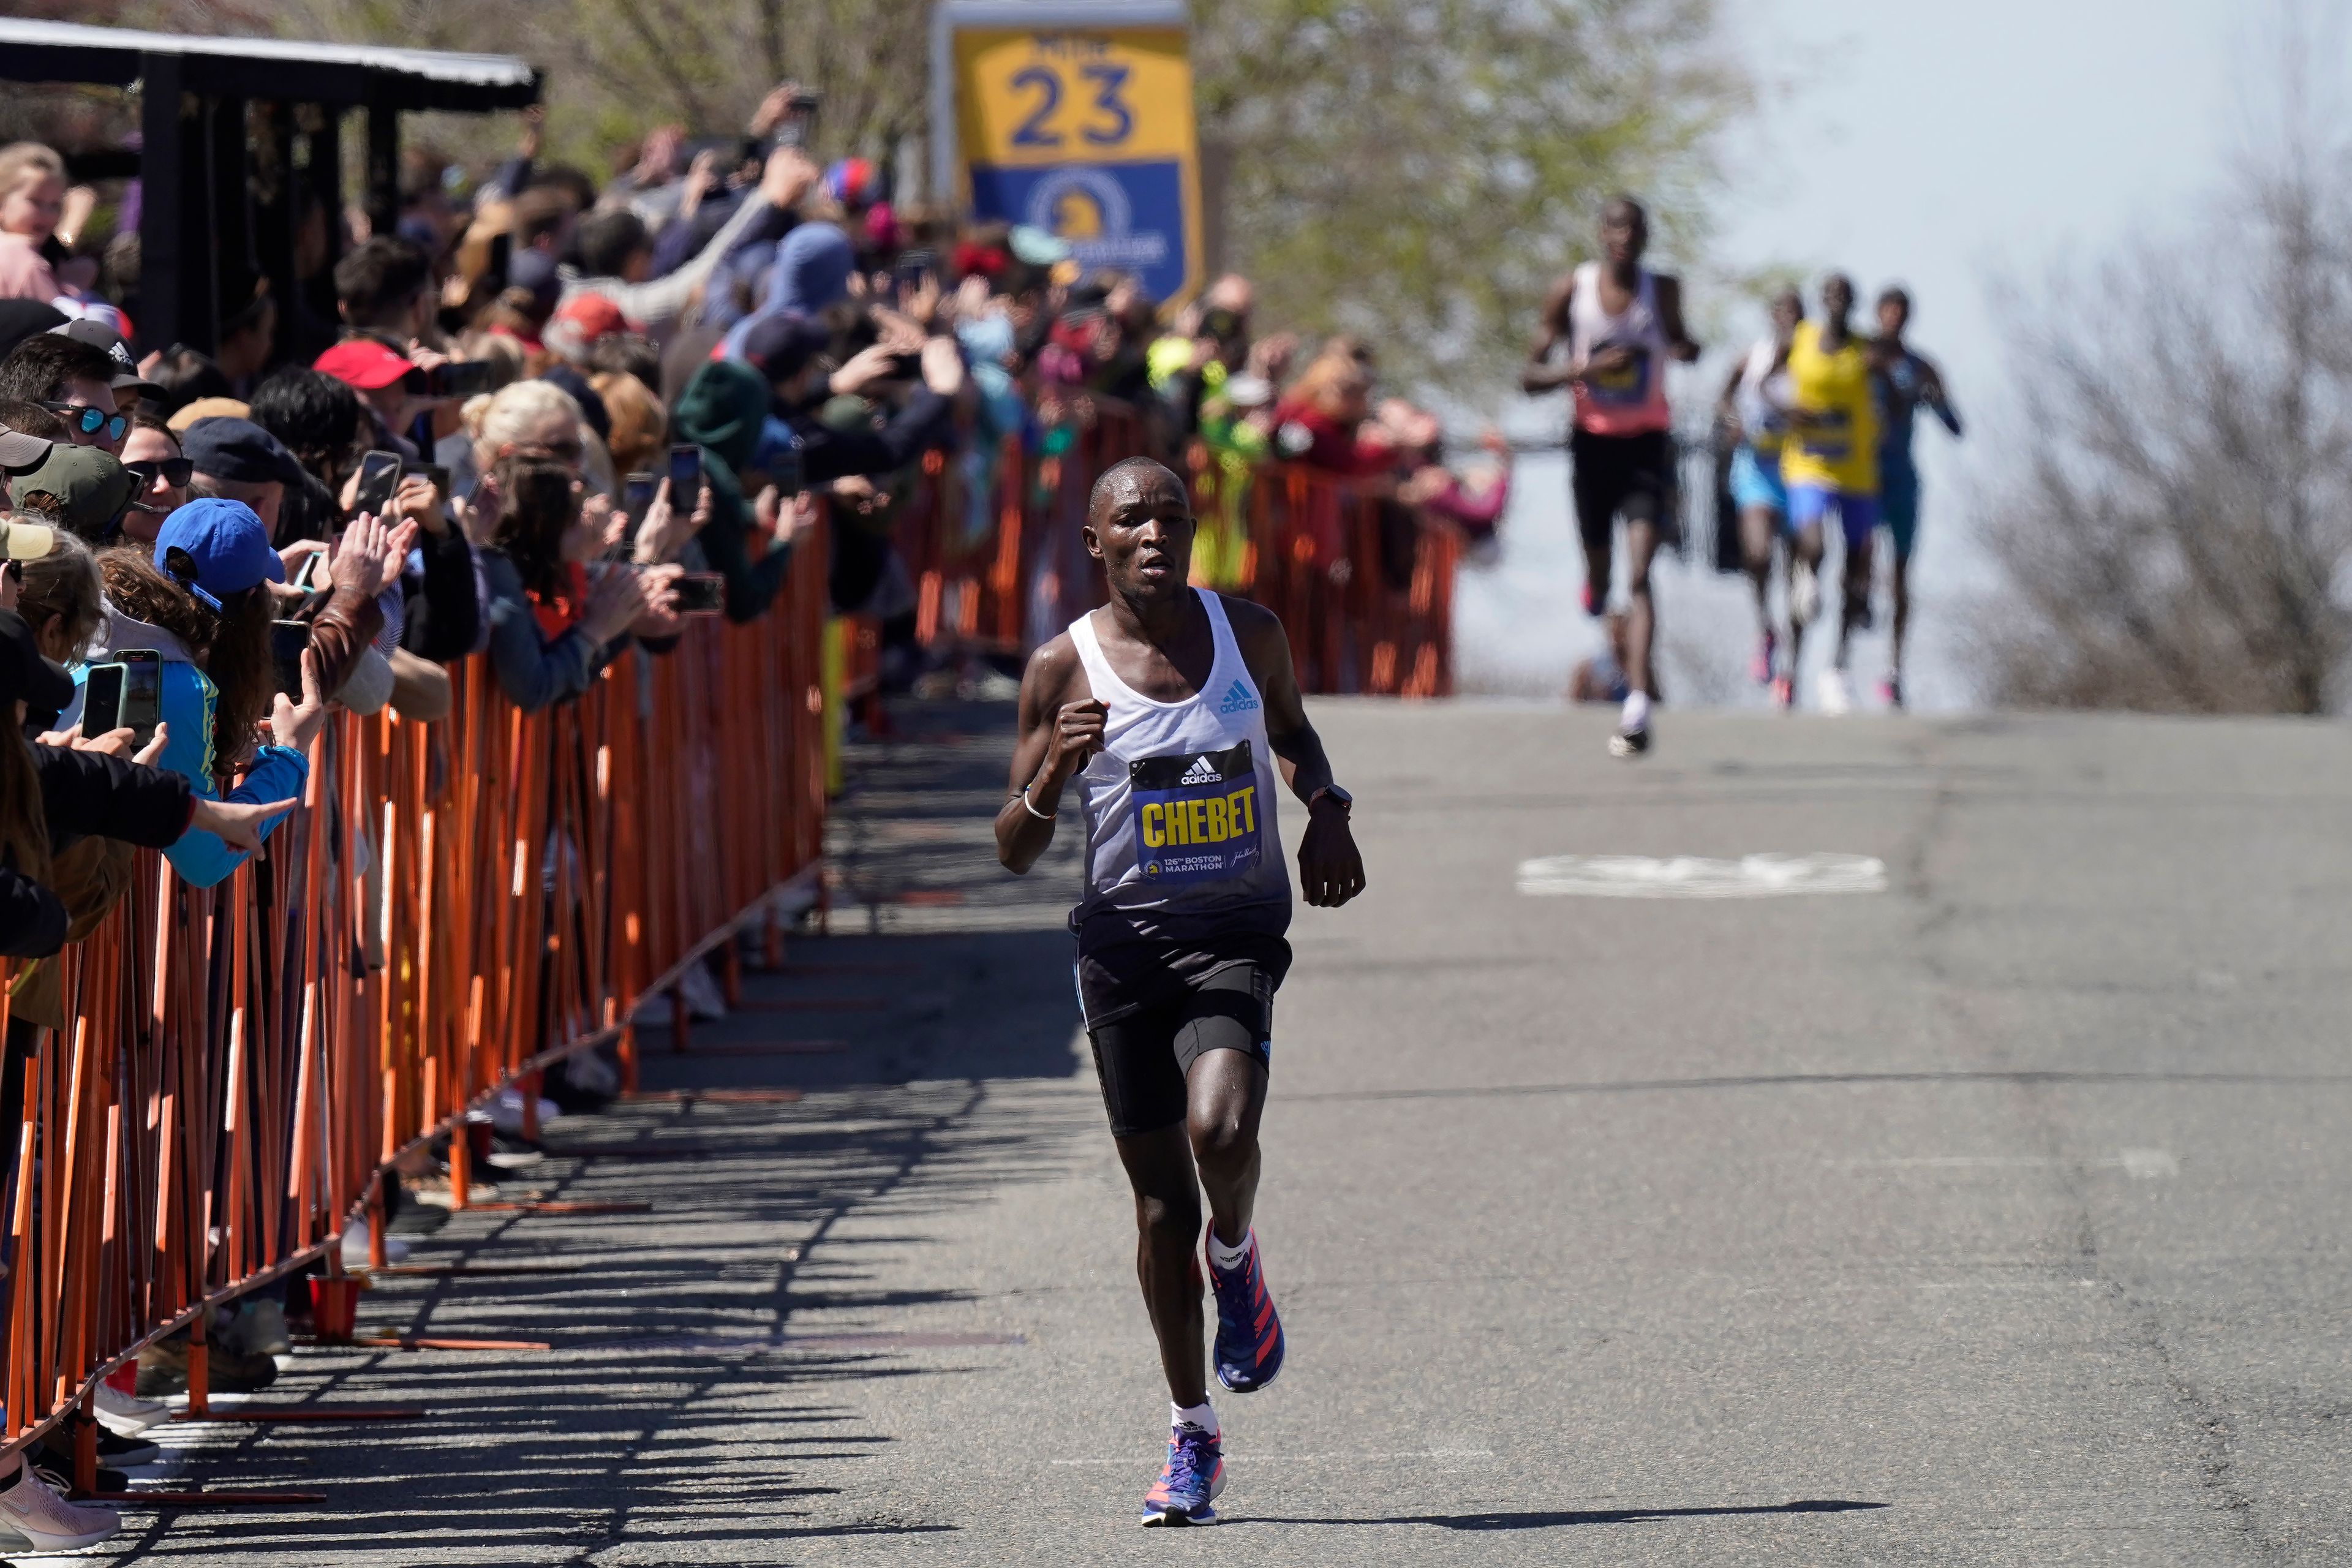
point(1090, 208)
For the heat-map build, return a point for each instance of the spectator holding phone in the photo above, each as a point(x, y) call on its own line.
point(746, 537)
point(553, 624)
point(616, 254)
point(202, 603)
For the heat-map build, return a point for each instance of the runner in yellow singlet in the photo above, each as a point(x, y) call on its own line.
point(1830, 463)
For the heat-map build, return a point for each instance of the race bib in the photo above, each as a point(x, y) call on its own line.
point(1627, 386)
point(1196, 815)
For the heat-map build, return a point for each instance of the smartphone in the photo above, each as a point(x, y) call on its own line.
point(912, 265)
point(286, 641)
point(142, 694)
point(461, 378)
point(379, 478)
point(101, 699)
point(685, 477)
point(700, 593)
point(306, 576)
point(638, 492)
point(785, 470)
point(437, 472)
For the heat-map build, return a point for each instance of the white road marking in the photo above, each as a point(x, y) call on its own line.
point(1690, 877)
point(1132, 1461)
point(2149, 1164)
point(2139, 1165)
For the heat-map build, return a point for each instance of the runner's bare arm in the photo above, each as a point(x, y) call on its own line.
point(1540, 375)
point(1679, 342)
point(1331, 866)
point(1060, 726)
point(1727, 407)
point(1936, 396)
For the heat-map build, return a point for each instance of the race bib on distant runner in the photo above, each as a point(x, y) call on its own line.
point(1196, 816)
point(1627, 386)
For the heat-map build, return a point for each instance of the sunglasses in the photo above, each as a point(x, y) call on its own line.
point(93, 420)
point(175, 471)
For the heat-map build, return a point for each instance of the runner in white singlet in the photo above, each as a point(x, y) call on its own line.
point(1169, 707)
point(1621, 323)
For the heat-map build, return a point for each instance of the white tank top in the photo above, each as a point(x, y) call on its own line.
point(1179, 802)
point(1764, 398)
point(1630, 400)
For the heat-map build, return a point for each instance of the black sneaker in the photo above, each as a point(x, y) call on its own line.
point(1629, 742)
point(54, 1462)
point(126, 1452)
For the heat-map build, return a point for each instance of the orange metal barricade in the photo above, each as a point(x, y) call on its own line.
point(459, 905)
point(1364, 587)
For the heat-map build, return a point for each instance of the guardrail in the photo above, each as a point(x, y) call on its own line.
point(1364, 584)
point(459, 905)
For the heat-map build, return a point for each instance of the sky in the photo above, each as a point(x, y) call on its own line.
point(1949, 148)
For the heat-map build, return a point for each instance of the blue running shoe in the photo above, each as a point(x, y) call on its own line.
point(1189, 1483)
point(1249, 1334)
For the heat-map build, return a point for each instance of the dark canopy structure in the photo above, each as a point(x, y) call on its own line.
point(241, 148)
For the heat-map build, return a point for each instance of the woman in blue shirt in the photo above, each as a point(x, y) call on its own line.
point(202, 601)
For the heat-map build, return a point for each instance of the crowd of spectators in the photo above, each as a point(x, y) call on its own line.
point(549, 422)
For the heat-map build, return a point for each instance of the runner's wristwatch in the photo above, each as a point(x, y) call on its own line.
point(1347, 802)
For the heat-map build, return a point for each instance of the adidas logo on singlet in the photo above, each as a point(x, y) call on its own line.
point(1201, 773)
point(1238, 700)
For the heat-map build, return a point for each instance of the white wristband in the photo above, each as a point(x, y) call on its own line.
point(1040, 815)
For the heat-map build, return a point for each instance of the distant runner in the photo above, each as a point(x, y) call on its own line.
point(1754, 412)
point(1903, 381)
point(1621, 322)
point(1169, 707)
point(1830, 464)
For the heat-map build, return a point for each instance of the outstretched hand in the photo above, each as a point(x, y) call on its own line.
point(235, 823)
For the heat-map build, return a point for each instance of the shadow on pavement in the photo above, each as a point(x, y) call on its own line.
point(1548, 1519)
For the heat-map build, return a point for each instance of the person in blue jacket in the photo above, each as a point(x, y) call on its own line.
point(201, 599)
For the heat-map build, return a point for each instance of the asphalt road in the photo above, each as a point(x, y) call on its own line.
point(1991, 1217)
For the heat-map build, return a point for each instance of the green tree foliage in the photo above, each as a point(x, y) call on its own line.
point(1419, 170)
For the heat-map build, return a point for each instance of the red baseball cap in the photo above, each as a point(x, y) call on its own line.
point(364, 363)
point(593, 314)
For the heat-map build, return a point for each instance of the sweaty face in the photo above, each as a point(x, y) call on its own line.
point(1143, 535)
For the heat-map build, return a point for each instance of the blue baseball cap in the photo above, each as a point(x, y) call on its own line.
point(223, 546)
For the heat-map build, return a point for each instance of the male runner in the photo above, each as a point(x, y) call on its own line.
point(1170, 706)
point(1829, 463)
point(1621, 322)
point(1902, 380)
point(1754, 412)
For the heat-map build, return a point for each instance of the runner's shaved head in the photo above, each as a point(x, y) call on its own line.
point(1136, 472)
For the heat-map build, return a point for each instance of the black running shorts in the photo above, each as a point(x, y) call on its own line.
point(1627, 475)
point(1144, 1056)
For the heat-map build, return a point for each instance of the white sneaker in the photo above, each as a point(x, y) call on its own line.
point(34, 1511)
point(1835, 696)
point(506, 1111)
point(1804, 594)
point(702, 995)
point(591, 1075)
point(127, 1415)
point(261, 1325)
point(355, 1248)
